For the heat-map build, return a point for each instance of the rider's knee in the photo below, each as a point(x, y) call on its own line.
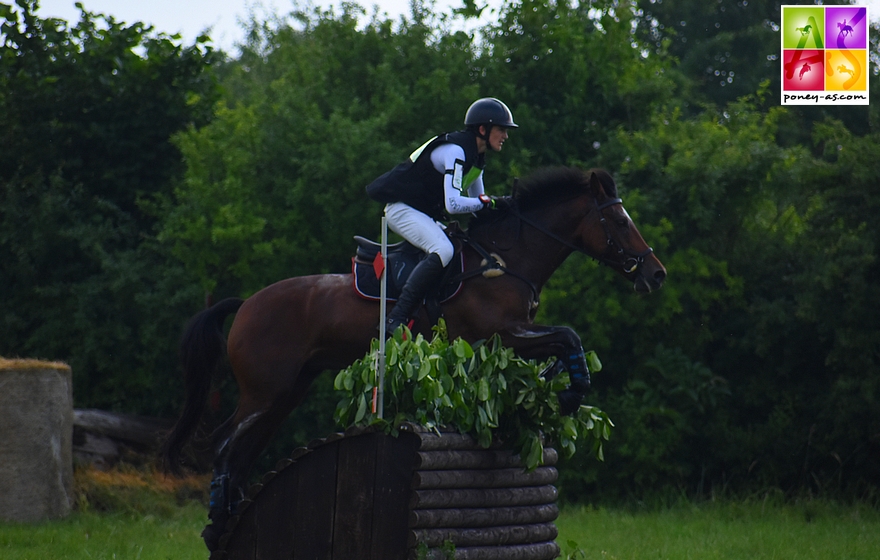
point(445, 254)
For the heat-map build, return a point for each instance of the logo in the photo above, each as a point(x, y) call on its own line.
point(824, 55)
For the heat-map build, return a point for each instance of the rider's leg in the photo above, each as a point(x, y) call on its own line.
point(414, 291)
point(429, 236)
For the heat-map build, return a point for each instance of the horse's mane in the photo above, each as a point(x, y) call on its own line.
point(549, 186)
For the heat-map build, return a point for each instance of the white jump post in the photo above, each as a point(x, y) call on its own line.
point(379, 405)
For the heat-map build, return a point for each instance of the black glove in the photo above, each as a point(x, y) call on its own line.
point(502, 202)
point(495, 202)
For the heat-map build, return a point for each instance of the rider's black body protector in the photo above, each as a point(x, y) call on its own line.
point(418, 184)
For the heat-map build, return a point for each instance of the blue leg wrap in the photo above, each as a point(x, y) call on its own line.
point(576, 365)
point(220, 492)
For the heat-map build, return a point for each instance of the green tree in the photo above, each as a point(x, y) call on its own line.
point(756, 368)
point(315, 110)
point(318, 107)
point(573, 74)
point(86, 115)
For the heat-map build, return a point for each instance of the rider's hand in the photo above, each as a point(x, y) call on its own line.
point(502, 202)
point(495, 202)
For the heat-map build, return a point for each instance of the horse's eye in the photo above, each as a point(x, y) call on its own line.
point(622, 223)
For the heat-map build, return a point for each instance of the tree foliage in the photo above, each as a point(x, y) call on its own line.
point(773, 261)
point(86, 113)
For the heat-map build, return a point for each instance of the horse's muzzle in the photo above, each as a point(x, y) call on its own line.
point(649, 278)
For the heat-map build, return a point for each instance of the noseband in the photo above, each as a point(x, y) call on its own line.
point(633, 261)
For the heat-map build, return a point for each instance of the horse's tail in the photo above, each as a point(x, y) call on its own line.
point(201, 347)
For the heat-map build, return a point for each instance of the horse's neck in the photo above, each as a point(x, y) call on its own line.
point(526, 250)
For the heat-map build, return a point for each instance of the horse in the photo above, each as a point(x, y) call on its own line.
point(804, 69)
point(288, 333)
point(844, 29)
point(844, 70)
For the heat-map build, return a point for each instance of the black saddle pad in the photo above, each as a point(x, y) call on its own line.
point(402, 259)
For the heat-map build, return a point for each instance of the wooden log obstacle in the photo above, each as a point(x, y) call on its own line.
point(370, 496)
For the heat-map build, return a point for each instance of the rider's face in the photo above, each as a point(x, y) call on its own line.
point(497, 138)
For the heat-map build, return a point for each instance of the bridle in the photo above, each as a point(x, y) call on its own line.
point(633, 260)
point(629, 264)
point(630, 261)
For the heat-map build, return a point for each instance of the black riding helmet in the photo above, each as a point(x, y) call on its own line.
point(490, 112)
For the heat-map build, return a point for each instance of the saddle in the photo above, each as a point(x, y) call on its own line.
point(400, 261)
point(403, 257)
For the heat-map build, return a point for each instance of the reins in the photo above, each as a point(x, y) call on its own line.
point(492, 263)
point(630, 264)
point(637, 259)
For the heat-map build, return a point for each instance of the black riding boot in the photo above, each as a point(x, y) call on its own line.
point(414, 291)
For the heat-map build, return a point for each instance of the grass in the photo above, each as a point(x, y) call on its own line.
point(105, 536)
point(126, 513)
point(139, 515)
point(810, 530)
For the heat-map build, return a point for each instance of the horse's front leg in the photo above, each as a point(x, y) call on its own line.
point(540, 342)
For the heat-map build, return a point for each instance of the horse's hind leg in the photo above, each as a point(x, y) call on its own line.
point(252, 428)
point(248, 440)
point(255, 422)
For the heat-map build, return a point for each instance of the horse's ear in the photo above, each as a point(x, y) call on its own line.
point(596, 187)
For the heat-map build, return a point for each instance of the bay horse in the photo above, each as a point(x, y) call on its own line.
point(285, 335)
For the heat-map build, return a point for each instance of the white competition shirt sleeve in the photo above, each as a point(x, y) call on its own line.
point(447, 159)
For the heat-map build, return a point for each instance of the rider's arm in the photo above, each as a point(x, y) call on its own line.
point(476, 188)
point(449, 160)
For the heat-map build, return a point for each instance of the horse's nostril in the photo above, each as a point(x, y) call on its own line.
point(660, 275)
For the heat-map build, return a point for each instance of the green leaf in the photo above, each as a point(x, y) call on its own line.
point(485, 438)
point(503, 360)
point(482, 416)
point(593, 362)
point(536, 452)
point(569, 428)
point(483, 391)
point(339, 382)
point(462, 349)
point(393, 355)
point(362, 409)
point(424, 369)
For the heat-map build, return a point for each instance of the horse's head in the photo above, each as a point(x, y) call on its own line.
point(579, 210)
point(609, 235)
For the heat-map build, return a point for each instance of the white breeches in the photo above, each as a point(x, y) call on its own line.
point(420, 230)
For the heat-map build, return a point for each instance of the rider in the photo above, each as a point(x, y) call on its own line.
point(444, 175)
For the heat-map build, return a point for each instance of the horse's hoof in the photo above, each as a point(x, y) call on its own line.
point(569, 401)
point(211, 535)
point(553, 370)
